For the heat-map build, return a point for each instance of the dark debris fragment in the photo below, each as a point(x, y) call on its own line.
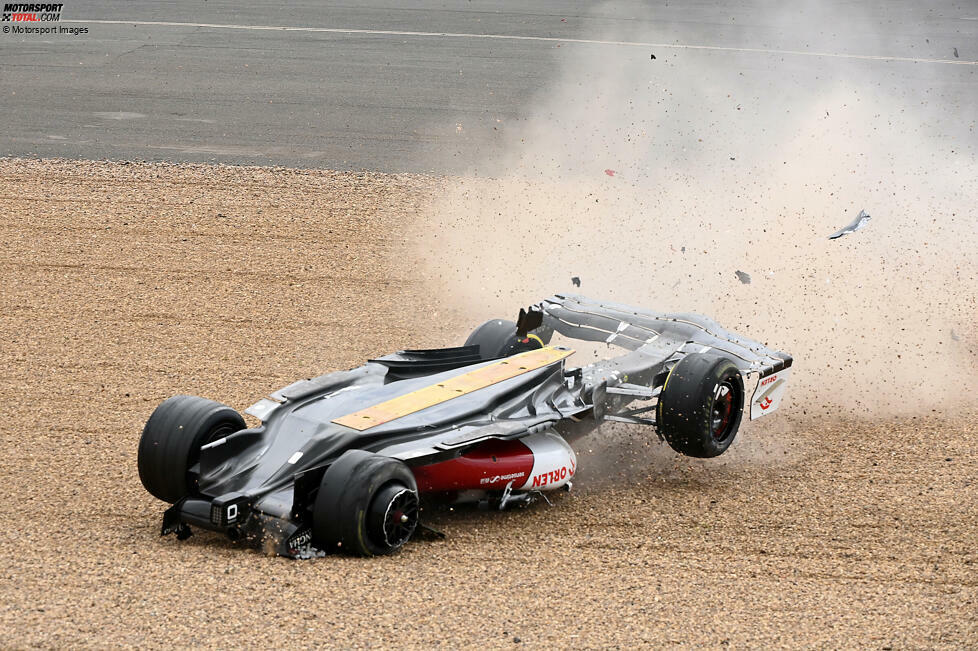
point(743, 277)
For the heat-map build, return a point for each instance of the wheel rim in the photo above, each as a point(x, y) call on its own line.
point(722, 415)
point(394, 515)
point(222, 430)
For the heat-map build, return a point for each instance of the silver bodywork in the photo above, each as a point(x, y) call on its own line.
point(656, 341)
point(266, 476)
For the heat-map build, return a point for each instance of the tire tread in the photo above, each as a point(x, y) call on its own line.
point(166, 447)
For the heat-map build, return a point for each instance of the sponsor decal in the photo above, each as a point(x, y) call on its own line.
point(498, 478)
point(300, 541)
point(770, 390)
point(551, 477)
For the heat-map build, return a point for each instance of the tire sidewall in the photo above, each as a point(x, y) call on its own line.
point(171, 441)
point(497, 338)
point(685, 408)
point(494, 338)
point(346, 494)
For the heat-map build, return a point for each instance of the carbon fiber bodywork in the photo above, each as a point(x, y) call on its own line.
point(260, 482)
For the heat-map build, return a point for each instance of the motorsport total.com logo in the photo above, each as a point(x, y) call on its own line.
point(31, 13)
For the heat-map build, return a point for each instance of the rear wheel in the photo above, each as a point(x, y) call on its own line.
point(497, 338)
point(701, 405)
point(367, 505)
point(171, 443)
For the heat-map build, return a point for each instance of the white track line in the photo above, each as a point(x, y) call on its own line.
point(504, 37)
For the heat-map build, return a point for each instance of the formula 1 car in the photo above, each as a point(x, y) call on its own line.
point(340, 461)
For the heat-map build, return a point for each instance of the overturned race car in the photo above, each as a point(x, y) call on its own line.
point(341, 461)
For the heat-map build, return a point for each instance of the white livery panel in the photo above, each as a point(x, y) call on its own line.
point(768, 394)
point(554, 462)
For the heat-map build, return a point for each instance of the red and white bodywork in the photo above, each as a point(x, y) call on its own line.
point(539, 462)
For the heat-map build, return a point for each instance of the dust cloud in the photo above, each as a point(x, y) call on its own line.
point(654, 181)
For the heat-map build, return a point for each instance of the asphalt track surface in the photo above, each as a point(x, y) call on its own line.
point(426, 87)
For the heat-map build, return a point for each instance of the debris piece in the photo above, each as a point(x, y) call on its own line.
point(653, 58)
point(610, 172)
point(859, 222)
point(743, 277)
point(954, 336)
point(956, 53)
point(576, 281)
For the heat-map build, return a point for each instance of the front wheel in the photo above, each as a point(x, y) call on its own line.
point(701, 405)
point(367, 505)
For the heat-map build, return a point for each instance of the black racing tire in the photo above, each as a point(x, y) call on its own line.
point(497, 338)
point(171, 443)
point(367, 505)
point(701, 405)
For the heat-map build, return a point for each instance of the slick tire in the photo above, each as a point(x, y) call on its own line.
point(367, 505)
point(171, 443)
point(701, 405)
point(497, 338)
